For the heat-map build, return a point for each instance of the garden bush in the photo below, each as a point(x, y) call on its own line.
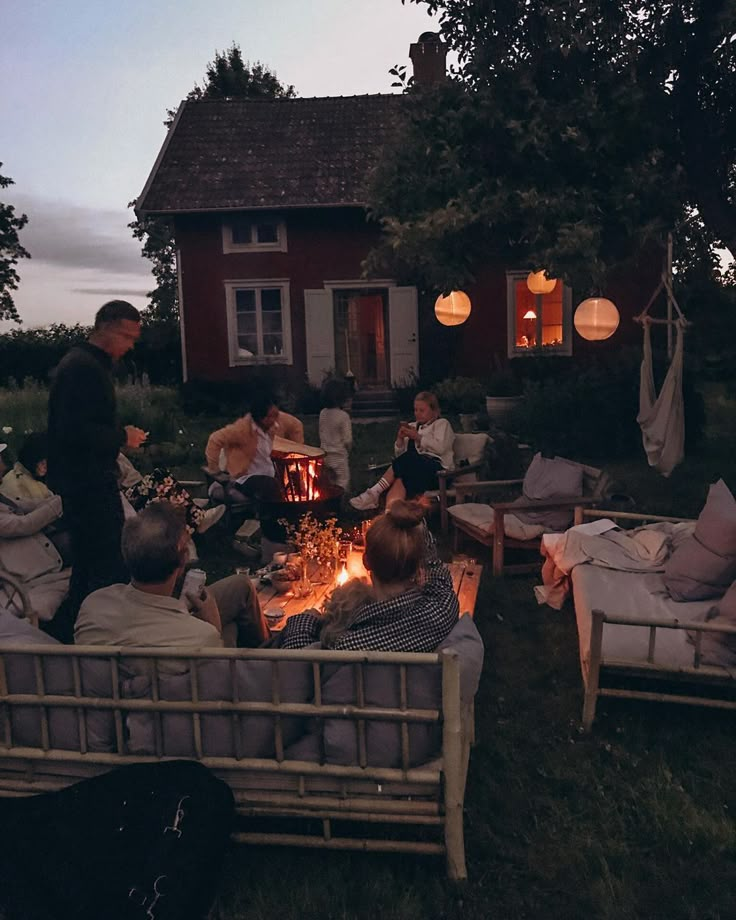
point(460, 394)
point(590, 411)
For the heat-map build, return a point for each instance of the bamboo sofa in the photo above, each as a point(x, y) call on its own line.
point(636, 643)
point(365, 750)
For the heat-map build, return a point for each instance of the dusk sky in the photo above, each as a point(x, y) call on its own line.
point(86, 86)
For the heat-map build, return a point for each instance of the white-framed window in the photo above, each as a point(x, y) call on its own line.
point(253, 234)
point(537, 323)
point(259, 322)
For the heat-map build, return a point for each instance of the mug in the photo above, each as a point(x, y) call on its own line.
point(274, 616)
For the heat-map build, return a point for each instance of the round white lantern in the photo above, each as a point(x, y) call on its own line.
point(538, 283)
point(452, 310)
point(596, 319)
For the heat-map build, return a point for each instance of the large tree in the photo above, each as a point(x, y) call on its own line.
point(571, 135)
point(226, 76)
point(10, 252)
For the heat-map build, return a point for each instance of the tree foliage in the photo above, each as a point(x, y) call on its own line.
point(571, 135)
point(226, 76)
point(10, 252)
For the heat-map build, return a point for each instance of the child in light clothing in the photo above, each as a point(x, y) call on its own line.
point(336, 431)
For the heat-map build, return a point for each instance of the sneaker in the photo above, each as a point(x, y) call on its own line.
point(366, 501)
point(211, 517)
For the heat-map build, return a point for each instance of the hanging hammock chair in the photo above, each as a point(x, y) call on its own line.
point(662, 417)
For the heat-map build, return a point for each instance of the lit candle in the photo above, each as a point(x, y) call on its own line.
point(342, 575)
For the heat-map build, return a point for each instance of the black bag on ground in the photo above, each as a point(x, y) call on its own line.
point(144, 842)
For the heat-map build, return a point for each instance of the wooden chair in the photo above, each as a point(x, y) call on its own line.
point(235, 510)
point(470, 453)
point(595, 483)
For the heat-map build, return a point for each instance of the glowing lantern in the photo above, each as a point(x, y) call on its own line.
point(452, 310)
point(596, 319)
point(539, 284)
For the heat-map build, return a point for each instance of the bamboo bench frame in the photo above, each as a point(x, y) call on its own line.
point(664, 683)
point(424, 801)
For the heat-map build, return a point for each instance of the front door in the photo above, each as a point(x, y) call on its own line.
point(361, 339)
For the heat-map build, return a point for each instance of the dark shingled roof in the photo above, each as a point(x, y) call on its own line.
point(230, 154)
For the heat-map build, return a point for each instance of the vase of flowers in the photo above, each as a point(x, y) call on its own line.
point(317, 543)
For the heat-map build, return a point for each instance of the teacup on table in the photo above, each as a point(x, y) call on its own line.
point(274, 616)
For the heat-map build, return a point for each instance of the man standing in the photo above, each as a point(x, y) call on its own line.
point(84, 440)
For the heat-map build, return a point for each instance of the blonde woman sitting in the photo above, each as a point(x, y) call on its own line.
point(422, 448)
point(410, 605)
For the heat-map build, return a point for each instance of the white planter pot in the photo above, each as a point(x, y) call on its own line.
point(502, 410)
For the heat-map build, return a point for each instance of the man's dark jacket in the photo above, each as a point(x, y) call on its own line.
point(84, 435)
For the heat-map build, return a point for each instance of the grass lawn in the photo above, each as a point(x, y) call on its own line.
point(635, 820)
point(631, 822)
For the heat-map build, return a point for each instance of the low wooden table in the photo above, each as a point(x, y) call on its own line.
point(465, 580)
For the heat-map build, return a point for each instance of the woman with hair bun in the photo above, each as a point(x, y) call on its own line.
point(410, 605)
point(422, 448)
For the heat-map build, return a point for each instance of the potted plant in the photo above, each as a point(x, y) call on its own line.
point(505, 395)
point(461, 396)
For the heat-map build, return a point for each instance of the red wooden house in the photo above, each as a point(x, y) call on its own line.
point(268, 201)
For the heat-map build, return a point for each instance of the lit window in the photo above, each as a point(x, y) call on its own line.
point(537, 323)
point(253, 235)
point(259, 322)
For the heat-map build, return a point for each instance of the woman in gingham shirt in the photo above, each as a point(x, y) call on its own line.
point(411, 605)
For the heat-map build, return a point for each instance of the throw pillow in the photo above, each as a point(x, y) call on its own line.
point(58, 679)
point(254, 683)
point(381, 687)
point(704, 565)
point(549, 479)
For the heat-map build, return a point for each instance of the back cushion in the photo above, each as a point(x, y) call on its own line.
point(556, 478)
point(253, 683)
point(704, 565)
point(548, 479)
point(58, 679)
point(467, 449)
point(382, 687)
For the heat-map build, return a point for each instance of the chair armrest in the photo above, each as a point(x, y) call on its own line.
point(546, 504)
point(220, 476)
point(460, 470)
point(481, 488)
point(640, 518)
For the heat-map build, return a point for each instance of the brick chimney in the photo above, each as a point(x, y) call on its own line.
point(428, 57)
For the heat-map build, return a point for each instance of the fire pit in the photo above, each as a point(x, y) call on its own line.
point(304, 485)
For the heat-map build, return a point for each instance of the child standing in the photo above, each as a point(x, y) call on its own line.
point(336, 431)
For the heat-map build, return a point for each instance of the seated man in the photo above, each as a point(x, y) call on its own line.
point(145, 613)
point(247, 445)
point(27, 552)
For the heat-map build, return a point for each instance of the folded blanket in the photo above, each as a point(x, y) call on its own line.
point(645, 549)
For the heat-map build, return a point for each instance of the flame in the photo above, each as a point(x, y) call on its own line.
point(342, 575)
point(299, 477)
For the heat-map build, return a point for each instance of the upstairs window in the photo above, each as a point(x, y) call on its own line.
point(259, 322)
point(537, 323)
point(249, 234)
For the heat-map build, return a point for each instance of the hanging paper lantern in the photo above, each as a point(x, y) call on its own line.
point(539, 284)
point(596, 319)
point(452, 310)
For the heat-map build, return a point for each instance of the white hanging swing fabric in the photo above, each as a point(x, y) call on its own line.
point(662, 417)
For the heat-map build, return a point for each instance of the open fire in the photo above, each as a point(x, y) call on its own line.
point(301, 478)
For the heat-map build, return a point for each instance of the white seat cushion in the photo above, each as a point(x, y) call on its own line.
point(481, 516)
